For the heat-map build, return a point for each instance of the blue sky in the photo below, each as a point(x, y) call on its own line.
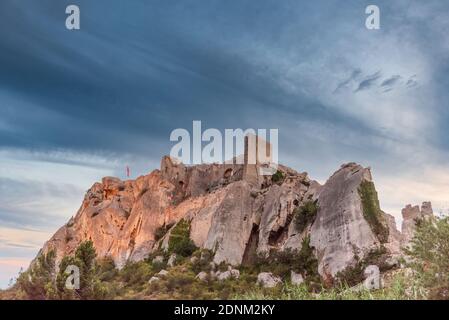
point(79, 105)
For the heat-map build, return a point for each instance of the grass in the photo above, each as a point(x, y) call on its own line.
point(398, 290)
point(131, 282)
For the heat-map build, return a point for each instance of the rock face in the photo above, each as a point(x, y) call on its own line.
point(341, 230)
point(233, 215)
point(410, 215)
point(394, 236)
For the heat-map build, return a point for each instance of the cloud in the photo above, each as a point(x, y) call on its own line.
point(368, 82)
point(390, 82)
point(20, 242)
point(353, 77)
point(411, 82)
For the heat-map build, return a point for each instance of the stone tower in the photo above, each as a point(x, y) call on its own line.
point(257, 157)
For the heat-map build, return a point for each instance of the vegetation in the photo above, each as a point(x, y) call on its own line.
point(354, 275)
point(371, 210)
point(42, 282)
point(429, 257)
point(202, 261)
point(180, 242)
point(38, 282)
point(305, 215)
point(308, 262)
point(101, 280)
point(396, 291)
point(278, 177)
point(281, 263)
point(426, 275)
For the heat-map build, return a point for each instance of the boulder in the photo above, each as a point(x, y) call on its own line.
point(162, 273)
point(221, 276)
point(235, 273)
point(203, 276)
point(153, 280)
point(229, 274)
point(268, 280)
point(172, 260)
point(296, 278)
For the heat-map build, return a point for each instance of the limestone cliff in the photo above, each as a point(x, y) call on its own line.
point(343, 228)
point(235, 217)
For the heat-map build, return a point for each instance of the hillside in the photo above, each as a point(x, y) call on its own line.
point(222, 231)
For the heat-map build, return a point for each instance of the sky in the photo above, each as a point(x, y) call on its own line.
point(77, 105)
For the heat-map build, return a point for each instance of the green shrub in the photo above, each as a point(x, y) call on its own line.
point(95, 275)
point(180, 242)
point(61, 278)
point(308, 263)
point(354, 274)
point(429, 257)
point(86, 254)
point(281, 263)
point(136, 274)
point(38, 281)
point(305, 215)
point(158, 266)
point(105, 269)
point(278, 177)
point(371, 210)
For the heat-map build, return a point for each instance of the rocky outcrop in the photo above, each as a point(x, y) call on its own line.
point(410, 215)
point(342, 230)
point(279, 203)
point(394, 236)
point(233, 216)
